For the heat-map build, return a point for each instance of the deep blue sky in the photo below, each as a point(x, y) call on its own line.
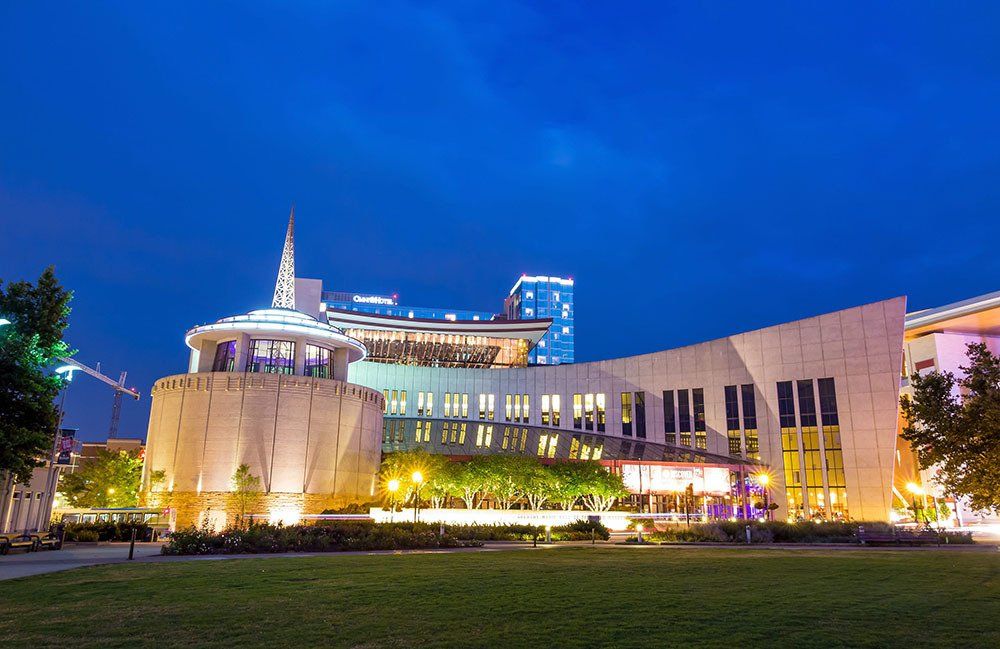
point(699, 168)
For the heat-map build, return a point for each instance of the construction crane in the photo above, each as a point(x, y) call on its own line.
point(119, 388)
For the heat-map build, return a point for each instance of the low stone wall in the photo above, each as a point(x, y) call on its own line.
point(219, 509)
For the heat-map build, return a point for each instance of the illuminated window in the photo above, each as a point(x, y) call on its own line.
point(420, 404)
point(750, 421)
point(588, 411)
point(385, 402)
point(700, 435)
point(447, 404)
point(402, 402)
point(490, 406)
point(669, 418)
point(835, 478)
point(599, 397)
point(484, 436)
point(626, 413)
point(271, 357)
point(790, 449)
point(318, 362)
point(640, 414)
point(508, 408)
point(430, 404)
point(393, 403)
point(577, 411)
point(465, 405)
point(733, 422)
point(225, 356)
point(574, 447)
point(526, 410)
point(684, 416)
point(482, 405)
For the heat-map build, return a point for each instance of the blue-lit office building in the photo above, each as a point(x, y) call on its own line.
point(535, 297)
point(389, 305)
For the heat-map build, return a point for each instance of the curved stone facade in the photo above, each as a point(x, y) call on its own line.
point(313, 442)
point(856, 352)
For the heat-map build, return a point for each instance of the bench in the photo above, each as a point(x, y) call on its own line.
point(32, 542)
point(925, 537)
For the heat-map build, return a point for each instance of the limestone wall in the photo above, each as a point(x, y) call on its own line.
point(314, 443)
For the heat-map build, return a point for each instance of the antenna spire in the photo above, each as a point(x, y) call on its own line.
point(284, 288)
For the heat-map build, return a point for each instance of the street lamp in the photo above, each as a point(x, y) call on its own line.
point(915, 490)
point(763, 479)
point(392, 486)
point(418, 480)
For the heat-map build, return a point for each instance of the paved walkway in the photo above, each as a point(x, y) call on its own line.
point(26, 564)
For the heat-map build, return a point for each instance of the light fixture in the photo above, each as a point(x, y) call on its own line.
point(417, 477)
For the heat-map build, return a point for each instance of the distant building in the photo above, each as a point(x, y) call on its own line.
point(534, 297)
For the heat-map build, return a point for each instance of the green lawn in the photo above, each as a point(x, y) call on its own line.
point(570, 597)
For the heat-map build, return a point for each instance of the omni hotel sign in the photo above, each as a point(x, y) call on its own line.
point(373, 299)
point(667, 479)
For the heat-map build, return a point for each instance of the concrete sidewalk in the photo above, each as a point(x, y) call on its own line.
point(73, 555)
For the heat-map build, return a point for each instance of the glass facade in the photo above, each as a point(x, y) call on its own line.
point(225, 357)
point(733, 433)
point(271, 356)
point(669, 417)
point(545, 297)
point(319, 362)
point(749, 399)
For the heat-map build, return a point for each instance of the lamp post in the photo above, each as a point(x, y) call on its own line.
point(418, 480)
point(763, 479)
point(392, 486)
point(915, 490)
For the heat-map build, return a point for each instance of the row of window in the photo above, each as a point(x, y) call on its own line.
point(812, 455)
point(274, 357)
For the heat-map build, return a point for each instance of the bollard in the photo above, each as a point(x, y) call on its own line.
point(748, 534)
point(548, 534)
point(131, 545)
point(593, 536)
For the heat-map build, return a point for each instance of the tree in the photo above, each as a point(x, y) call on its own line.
point(505, 477)
point(246, 490)
point(434, 469)
point(29, 345)
point(470, 481)
point(539, 482)
point(109, 480)
point(601, 488)
point(953, 424)
point(568, 482)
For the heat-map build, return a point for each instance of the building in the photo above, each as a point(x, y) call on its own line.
point(813, 403)
point(534, 297)
point(28, 507)
point(389, 306)
point(268, 389)
point(936, 340)
point(801, 414)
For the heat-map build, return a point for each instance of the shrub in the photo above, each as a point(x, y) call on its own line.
point(86, 536)
point(108, 531)
point(327, 536)
point(581, 530)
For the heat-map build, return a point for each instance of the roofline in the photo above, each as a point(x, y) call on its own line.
point(954, 310)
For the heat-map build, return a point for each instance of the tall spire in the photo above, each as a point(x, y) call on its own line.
point(284, 288)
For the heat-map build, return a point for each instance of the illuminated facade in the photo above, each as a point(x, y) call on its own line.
point(936, 341)
point(269, 390)
point(815, 401)
point(546, 297)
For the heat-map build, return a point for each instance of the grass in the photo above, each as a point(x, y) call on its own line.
point(570, 597)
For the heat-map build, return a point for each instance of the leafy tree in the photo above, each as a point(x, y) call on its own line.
point(29, 345)
point(434, 469)
point(246, 490)
point(471, 480)
point(505, 477)
point(569, 481)
point(109, 480)
point(539, 482)
point(954, 425)
point(601, 488)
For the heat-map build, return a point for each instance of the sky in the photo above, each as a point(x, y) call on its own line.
point(699, 169)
